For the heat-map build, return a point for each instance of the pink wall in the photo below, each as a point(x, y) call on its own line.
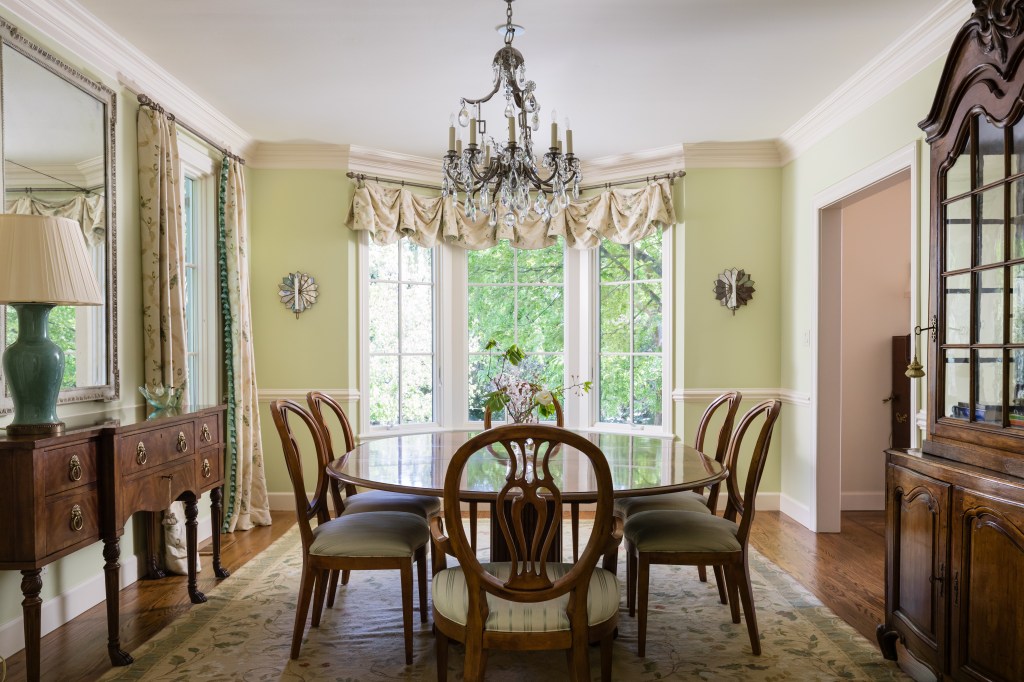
point(875, 307)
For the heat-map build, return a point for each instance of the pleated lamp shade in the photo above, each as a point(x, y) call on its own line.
point(43, 259)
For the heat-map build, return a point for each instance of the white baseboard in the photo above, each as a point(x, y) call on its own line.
point(863, 501)
point(797, 511)
point(79, 599)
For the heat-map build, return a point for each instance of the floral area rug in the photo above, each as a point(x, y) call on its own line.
point(244, 633)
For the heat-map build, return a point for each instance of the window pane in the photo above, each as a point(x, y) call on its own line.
point(647, 317)
point(614, 262)
point(383, 318)
point(541, 265)
point(647, 390)
point(958, 388)
point(988, 372)
point(417, 318)
point(540, 319)
point(991, 227)
point(615, 318)
point(490, 265)
point(991, 145)
point(647, 257)
point(481, 368)
point(990, 306)
point(417, 263)
point(62, 333)
point(1017, 384)
point(1017, 304)
point(1016, 219)
point(383, 390)
point(384, 262)
point(490, 316)
point(614, 389)
point(417, 389)
point(958, 177)
point(958, 234)
point(958, 308)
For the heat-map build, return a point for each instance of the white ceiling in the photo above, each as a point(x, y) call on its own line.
point(633, 76)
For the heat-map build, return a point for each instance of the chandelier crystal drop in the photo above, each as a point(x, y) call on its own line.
point(496, 177)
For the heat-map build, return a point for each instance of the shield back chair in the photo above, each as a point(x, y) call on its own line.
point(368, 500)
point(574, 507)
point(528, 603)
point(694, 500)
point(383, 540)
point(674, 537)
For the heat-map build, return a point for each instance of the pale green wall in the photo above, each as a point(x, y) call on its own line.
point(730, 219)
point(881, 130)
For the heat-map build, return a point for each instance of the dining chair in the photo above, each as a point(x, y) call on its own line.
point(527, 603)
point(574, 507)
point(354, 501)
point(671, 536)
point(694, 500)
point(383, 540)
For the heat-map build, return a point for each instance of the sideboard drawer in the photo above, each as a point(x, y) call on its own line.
point(147, 449)
point(209, 466)
point(156, 492)
point(71, 519)
point(209, 431)
point(70, 467)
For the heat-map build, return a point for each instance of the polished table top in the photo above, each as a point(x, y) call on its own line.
point(640, 465)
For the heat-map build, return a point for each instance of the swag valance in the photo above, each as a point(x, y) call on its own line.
point(619, 215)
point(88, 209)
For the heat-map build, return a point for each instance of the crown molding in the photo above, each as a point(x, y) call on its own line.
point(906, 57)
point(87, 173)
point(71, 28)
point(267, 155)
point(394, 165)
point(633, 165)
point(757, 154)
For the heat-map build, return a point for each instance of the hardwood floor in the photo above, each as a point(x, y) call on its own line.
point(844, 570)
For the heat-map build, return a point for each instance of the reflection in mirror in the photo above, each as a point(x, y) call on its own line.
point(56, 148)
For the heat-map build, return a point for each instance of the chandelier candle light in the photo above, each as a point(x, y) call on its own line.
point(501, 182)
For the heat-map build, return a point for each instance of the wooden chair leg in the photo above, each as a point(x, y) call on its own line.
point(611, 561)
point(442, 655)
point(720, 581)
point(606, 658)
point(630, 580)
point(319, 592)
point(302, 609)
point(574, 514)
point(345, 576)
point(580, 656)
point(732, 582)
point(643, 579)
point(332, 588)
point(472, 525)
point(406, 571)
point(476, 660)
point(421, 576)
point(747, 597)
point(702, 573)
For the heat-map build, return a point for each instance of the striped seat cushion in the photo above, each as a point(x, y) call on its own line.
point(681, 531)
point(381, 500)
point(451, 600)
point(682, 501)
point(380, 534)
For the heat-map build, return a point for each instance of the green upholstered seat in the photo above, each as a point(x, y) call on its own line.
point(381, 500)
point(681, 501)
point(681, 531)
point(451, 599)
point(381, 534)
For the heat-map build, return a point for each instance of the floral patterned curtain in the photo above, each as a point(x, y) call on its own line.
point(620, 215)
point(247, 502)
point(163, 280)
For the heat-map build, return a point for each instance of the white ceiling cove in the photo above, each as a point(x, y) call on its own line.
point(636, 75)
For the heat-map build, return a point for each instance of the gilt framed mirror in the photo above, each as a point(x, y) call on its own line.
point(57, 144)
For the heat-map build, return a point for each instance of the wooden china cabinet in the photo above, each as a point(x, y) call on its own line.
point(955, 509)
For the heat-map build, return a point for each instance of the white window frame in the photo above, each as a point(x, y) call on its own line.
point(197, 163)
point(451, 342)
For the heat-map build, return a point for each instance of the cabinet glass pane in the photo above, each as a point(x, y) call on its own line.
point(1017, 387)
point(958, 308)
point(958, 177)
point(990, 306)
point(991, 145)
point(1017, 304)
point(958, 234)
point(1017, 219)
point(1017, 151)
point(958, 387)
point(988, 385)
point(990, 226)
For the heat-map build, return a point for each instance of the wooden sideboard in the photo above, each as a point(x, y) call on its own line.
point(59, 494)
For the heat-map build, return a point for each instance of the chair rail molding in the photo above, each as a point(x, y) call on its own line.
point(705, 395)
point(345, 395)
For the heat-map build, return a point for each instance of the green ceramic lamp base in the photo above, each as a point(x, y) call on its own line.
point(34, 366)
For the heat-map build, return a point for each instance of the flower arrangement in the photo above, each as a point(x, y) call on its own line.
point(518, 388)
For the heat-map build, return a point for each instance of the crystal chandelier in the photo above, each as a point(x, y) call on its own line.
point(496, 178)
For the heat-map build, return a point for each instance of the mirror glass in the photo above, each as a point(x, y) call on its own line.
point(56, 151)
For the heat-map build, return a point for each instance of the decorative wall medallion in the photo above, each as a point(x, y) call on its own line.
point(734, 288)
point(298, 292)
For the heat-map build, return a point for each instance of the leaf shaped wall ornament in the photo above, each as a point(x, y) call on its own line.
point(734, 288)
point(298, 292)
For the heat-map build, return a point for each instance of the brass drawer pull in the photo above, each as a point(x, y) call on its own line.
point(205, 434)
point(182, 443)
point(140, 453)
point(75, 468)
point(206, 468)
point(77, 518)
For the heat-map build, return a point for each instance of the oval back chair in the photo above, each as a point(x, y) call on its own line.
point(528, 603)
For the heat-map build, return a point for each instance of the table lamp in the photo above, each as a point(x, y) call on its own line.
point(43, 263)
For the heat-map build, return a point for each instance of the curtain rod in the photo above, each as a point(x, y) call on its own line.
point(146, 101)
point(671, 177)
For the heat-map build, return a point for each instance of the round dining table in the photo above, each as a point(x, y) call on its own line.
point(418, 463)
